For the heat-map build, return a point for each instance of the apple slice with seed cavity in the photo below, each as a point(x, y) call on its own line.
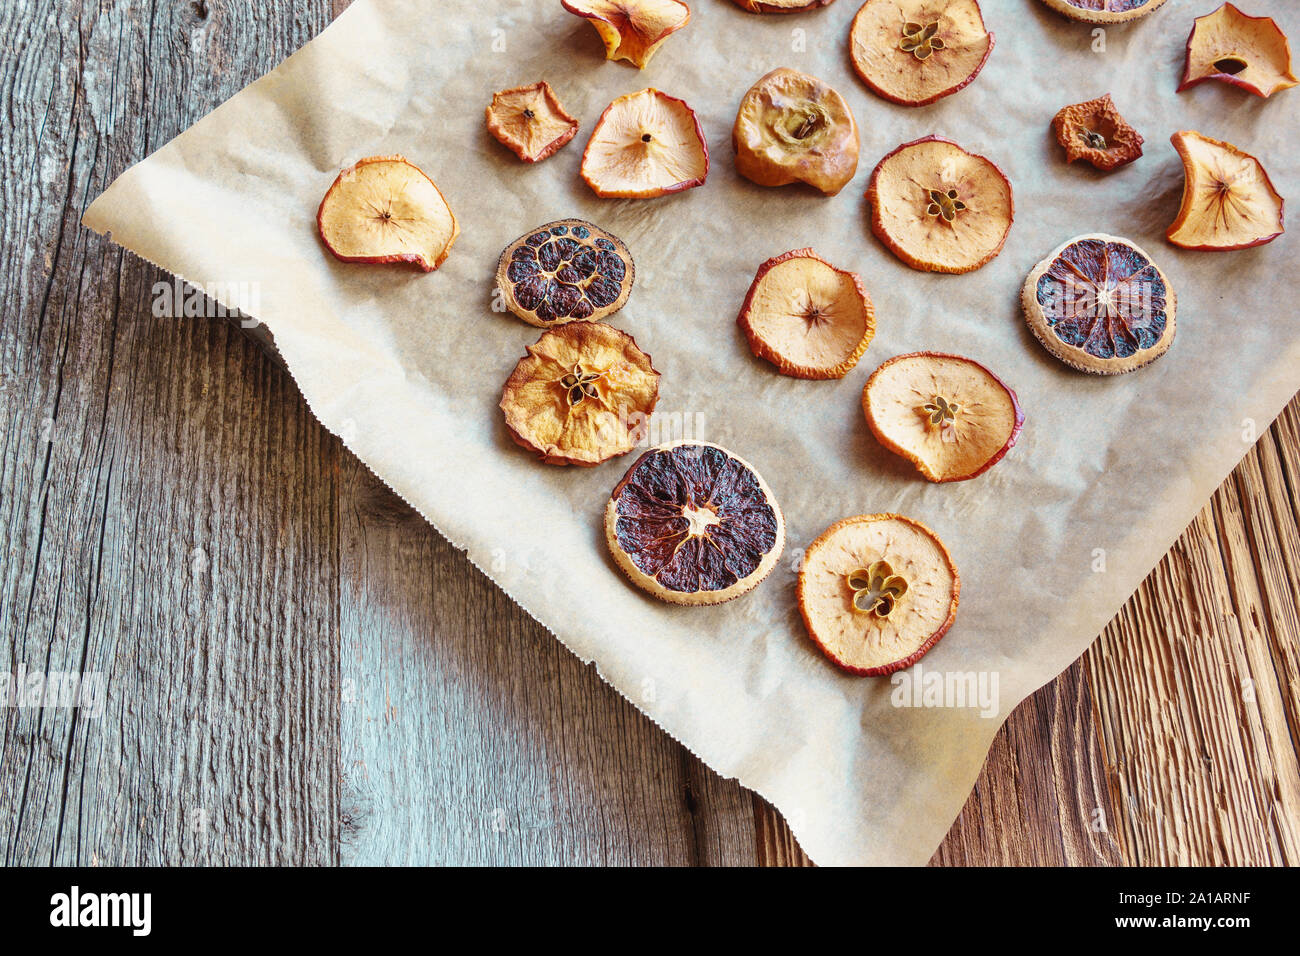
point(530, 121)
point(645, 144)
point(1228, 200)
point(1245, 51)
point(632, 30)
point(914, 52)
point(385, 209)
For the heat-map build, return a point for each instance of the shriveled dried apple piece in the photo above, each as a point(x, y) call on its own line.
point(806, 317)
point(877, 592)
point(580, 395)
point(948, 415)
point(940, 208)
point(645, 144)
point(1228, 200)
point(530, 121)
point(792, 127)
point(564, 271)
point(1250, 52)
point(780, 6)
point(1104, 11)
point(1094, 131)
point(385, 209)
point(914, 52)
point(632, 30)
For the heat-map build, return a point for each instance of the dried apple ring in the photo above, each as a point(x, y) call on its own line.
point(1249, 52)
point(1100, 304)
point(565, 271)
point(530, 121)
point(581, 395)
point(948, 415)
point(645, 144)
point(940, 208)
point(806, 317)
point(780, 6)
point(632, 30)
point(693, 523)
point(1228, 200)
point(877, 592)
point(1094, 131)
point(914, 52)
point(1104, 11)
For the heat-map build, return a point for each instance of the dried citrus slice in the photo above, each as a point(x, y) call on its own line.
point(1228, 200)
point(645, 144)
point(948, 415)
point(531, 121)
point(1250, 52)
point(632, 30)
point(581, 395)
point(693, 523)
point(940, 208)
point(792, 127)
point(914, 52)
point(806, 317)
point(1094, 131)
point(877, 592)
point(780, 6)
point(1101, 304)
point(563, 271)
point(385, 209)
point(1104, 11)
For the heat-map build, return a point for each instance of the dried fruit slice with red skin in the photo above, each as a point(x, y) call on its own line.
point(1094, 131)
point(632, 30)
point(1100, 304)
point(1104, 11)
point(530, 121)
point(780, 6)
point(792, 127)
point(645, 144)
point(915, 187)
point(891, 555)
point(806, 317)
point(947, 414)
point(914, 52)
point(581, 395)
point(385, 209)
point(1231, 46)
point(1228, 200)
point(693, 523)
point(565, 271)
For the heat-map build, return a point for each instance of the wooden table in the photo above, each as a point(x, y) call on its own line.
point(301, 671)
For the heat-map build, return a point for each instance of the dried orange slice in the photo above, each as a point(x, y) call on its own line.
point(645, 144)
point(1228, 200)
point(1250, 52)
point(877, 592)
point(386, 209)
point(581, 395)
point(1094, 131)
point(632, 30)
point(940, 208)
point(948, 415)
point(563, 271)
point(1104, 11)
point(780, 6)
point(1099, 303)
point(914, 52)
point(530, 121)
point(792, 127)
point(806, 317)
point(693, 523)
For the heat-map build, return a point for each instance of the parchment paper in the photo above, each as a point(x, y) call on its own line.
point(407, 367)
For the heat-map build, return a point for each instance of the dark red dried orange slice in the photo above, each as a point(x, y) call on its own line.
point(565, 271)
point(1104, 11)
point(693, 523)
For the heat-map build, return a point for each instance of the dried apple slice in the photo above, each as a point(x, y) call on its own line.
point(564, 271)
point(914, 52)
point(1100, 304)
point(1104, 11)
point(385, 209)
point(632, 30)
point(581, 395)
point(645, 144)
point(806, 317)
point(940, 208)
point(1228, 200)
point(1250, 52)
point(877, 592)
point(948, 415)
point(792, 127)
point(1094, 131)
point(780, 6)
point(693, 523)
point(530, 121)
